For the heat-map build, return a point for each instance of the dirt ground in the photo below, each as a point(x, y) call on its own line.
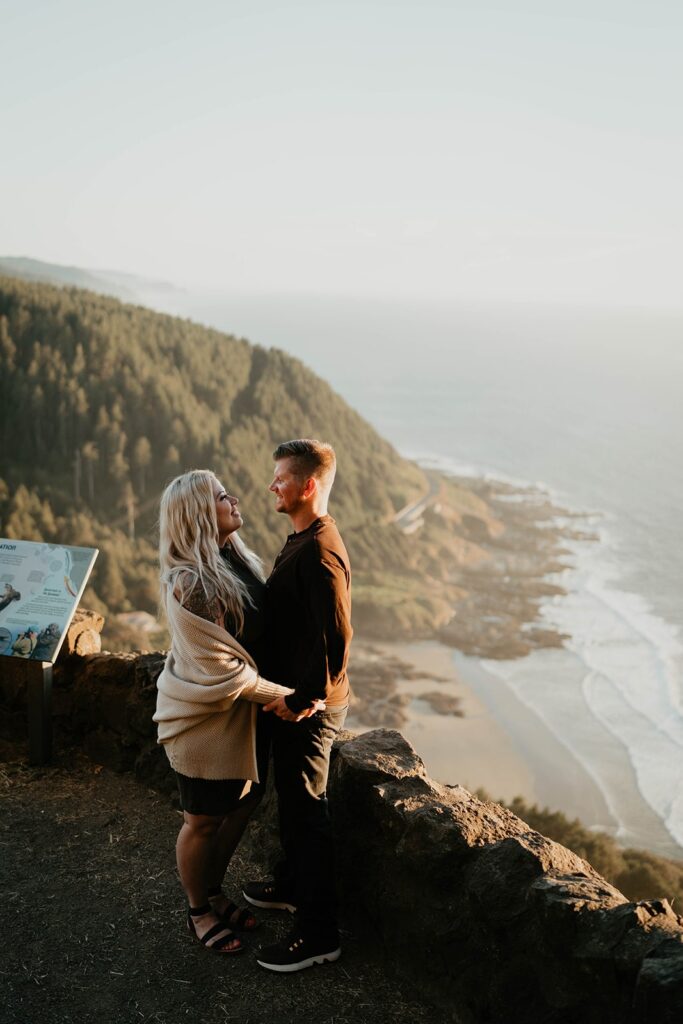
point(93, 928)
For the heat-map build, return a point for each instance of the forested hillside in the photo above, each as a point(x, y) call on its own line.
point(101, 403)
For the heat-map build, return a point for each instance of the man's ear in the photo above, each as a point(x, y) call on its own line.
point(310, 487)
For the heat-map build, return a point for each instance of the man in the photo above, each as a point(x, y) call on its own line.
point(309, 613)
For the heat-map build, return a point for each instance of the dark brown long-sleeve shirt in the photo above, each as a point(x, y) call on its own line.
point(309, 616)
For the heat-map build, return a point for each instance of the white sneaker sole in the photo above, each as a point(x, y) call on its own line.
point(263, 905)
point(288, 968)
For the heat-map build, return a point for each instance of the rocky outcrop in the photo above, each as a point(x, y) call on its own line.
point(498, 922)
point(83, 635)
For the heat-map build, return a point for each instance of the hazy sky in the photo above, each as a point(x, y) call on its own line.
point(478, 150)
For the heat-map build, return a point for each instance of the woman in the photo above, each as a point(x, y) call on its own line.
point(212, 590)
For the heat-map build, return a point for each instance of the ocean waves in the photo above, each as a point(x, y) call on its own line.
point(631, 683)
point(616, 685)
point(613, 696)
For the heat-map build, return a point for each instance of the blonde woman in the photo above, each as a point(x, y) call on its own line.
point(213, 591)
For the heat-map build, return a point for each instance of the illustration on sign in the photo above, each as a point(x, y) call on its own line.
point(40, 587)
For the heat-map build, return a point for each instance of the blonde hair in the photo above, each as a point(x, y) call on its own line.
point(188, 547)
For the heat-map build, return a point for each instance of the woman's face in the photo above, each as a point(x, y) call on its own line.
point(228, 515)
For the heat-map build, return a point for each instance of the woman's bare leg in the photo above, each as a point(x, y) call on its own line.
point(227, 839)
point(195, 856)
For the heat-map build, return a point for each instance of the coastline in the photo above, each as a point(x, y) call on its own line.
point(482, 753)
point(547, 682)
point(527, 548)
point(490, 554)
point(502, 746)
point(508, 753)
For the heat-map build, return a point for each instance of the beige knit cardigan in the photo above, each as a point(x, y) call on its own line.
point(208, 693)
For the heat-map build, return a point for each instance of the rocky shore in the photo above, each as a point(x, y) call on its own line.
point(377, 700)
point(505, 556)
point(497, 615)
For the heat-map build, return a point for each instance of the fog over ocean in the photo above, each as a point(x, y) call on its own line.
point(585, 403)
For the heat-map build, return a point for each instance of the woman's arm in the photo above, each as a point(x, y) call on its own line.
point(198, 602)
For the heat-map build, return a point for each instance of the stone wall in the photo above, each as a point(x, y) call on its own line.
point(101, 702)
point(493, 921)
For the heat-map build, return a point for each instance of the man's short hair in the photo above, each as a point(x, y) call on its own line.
point(311, 458)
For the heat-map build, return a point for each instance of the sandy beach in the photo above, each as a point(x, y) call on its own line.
point(472, 750)
point(502, 746)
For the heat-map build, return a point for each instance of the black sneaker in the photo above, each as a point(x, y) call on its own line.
point(266, 896)
point(296, 953)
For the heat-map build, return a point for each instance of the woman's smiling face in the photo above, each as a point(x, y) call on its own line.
point(228, 515)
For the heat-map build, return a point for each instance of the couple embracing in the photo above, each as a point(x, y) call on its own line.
point(255, 666)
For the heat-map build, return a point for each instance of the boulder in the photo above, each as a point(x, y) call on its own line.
point(83, 635)
point(499, 923)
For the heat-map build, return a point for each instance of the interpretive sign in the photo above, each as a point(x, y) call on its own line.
point(40, 587)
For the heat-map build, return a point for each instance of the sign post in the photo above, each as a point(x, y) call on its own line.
point(39, 691)
point(40, 587)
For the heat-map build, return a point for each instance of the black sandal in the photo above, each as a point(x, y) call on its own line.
point(220, 945)
point(239, 922)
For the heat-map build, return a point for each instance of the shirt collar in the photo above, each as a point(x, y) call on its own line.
point(315, 525)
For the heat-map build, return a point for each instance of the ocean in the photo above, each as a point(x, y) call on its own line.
point(586, 404)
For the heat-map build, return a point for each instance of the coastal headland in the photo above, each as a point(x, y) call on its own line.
point(501, 550)
point(473, 562)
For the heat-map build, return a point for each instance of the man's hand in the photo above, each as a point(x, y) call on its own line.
point(282, 711)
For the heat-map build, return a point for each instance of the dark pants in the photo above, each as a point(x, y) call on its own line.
point(301, 762)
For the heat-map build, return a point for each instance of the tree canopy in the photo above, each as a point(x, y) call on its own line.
point(102, 403)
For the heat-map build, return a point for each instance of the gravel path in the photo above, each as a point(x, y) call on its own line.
point(92, 919)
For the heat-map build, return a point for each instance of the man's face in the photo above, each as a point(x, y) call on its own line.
point(287, 486)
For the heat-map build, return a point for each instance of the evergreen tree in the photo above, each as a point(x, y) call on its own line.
point(141, 458)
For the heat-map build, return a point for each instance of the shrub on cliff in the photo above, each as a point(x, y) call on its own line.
point(636, 873)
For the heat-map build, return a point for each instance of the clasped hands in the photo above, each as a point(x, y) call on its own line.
point(282, 711)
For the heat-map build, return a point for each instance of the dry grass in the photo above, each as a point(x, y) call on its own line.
point(94, 920)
